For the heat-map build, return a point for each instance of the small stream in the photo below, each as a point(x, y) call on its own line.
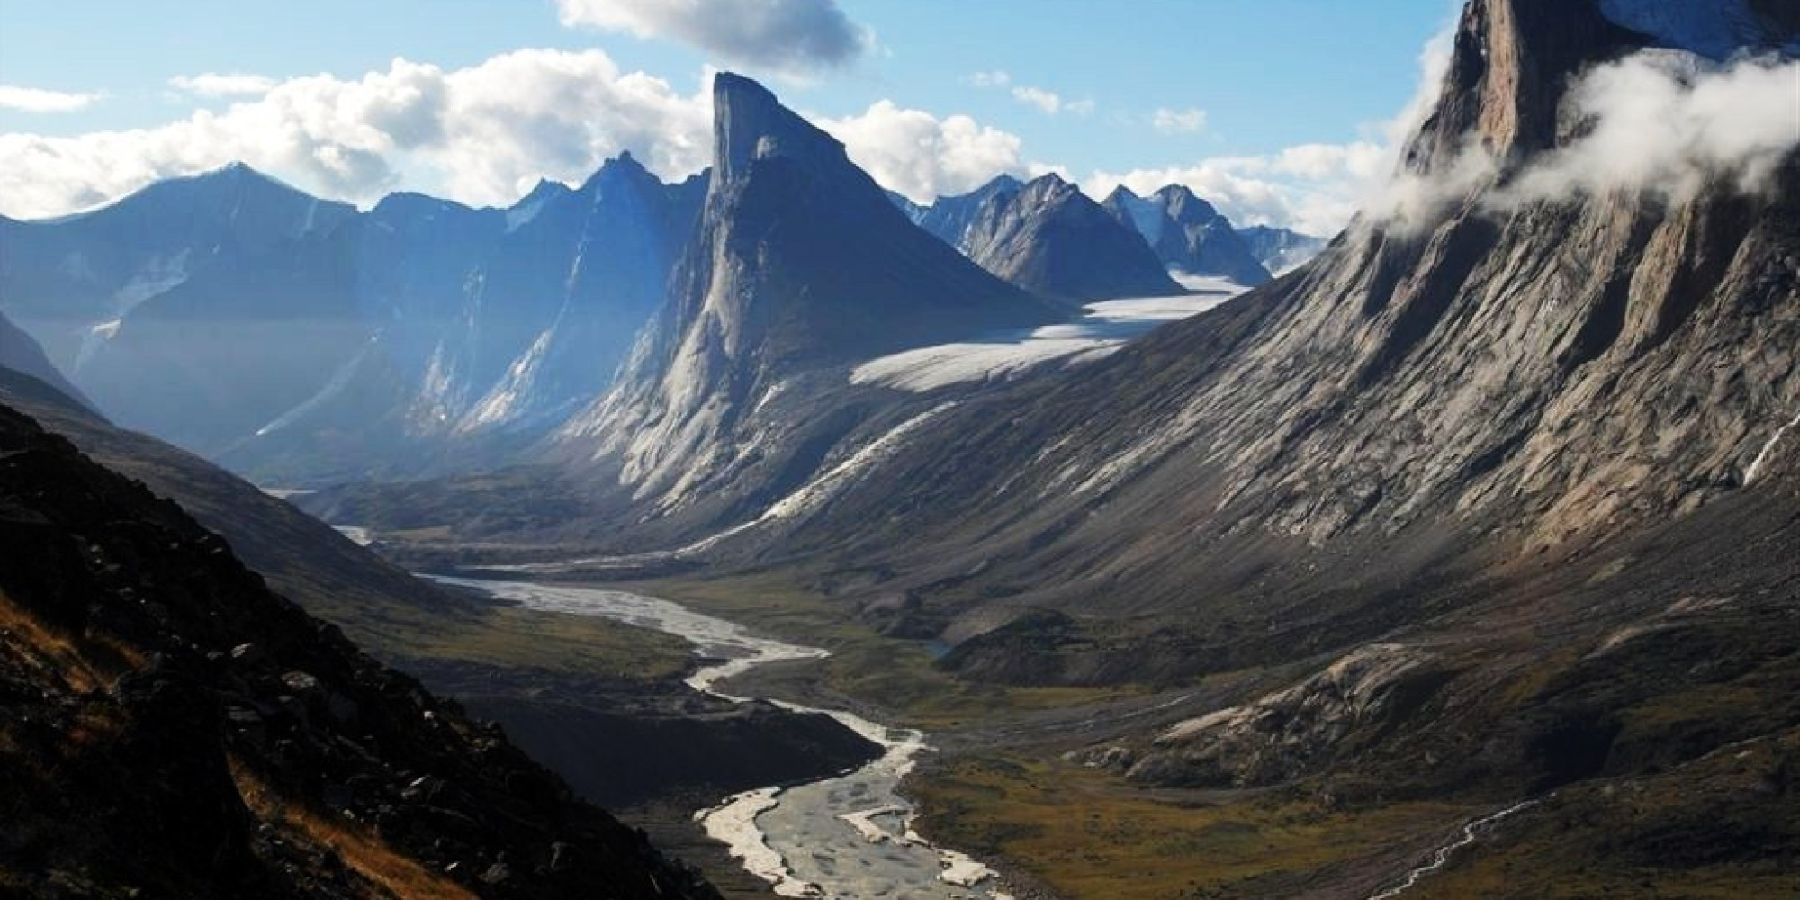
point(848, 836)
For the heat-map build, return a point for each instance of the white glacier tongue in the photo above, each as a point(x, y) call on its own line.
point(1105, 328)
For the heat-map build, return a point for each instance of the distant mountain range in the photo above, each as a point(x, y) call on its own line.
point(301, 341)
point(297, 339)
point(1188, 234)
point(1049, 238)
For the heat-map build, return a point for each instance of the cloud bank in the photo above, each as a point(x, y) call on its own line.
point(795, 36)
point(482, 135)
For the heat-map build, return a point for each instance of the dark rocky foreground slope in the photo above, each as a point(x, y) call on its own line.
point(177, 730)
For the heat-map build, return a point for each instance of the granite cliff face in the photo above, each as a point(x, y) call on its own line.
point(179, 730)
point(800, 268)
point(1495, 383)
point(1047, 237)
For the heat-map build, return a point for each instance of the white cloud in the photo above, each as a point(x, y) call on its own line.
point(782, 35)
point(1667, 121)
point(213, 84)
point(1178, 121)
point(482, 134)
point(996, 78)
point(1046, 101)
point(36, 100)
point(917, 154)
point(1080, 107)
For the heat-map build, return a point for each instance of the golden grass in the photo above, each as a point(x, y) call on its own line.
point(82, 663)
point(1089, 835)
point(360, 849)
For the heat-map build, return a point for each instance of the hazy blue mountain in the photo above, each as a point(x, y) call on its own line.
point(296, 339)
point(1280, 249)
point(1187, 233)
point(1047, 237)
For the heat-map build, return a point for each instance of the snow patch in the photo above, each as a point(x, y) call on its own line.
point(1763, 456)
point(519, 216)
point(1104, 328)
point(333, 387)
point(95, 338)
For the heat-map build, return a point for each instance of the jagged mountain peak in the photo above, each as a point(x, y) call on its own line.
point(1184, 207)
point(749, 124)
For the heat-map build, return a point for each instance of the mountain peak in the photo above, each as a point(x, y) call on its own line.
point(1121, 194)
point(749, 123)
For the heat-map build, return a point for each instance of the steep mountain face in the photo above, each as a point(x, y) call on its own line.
point(1047, 237)
point(68, 281)
point(303, 559)
point(950, 218)
point(1508, 379)
point(1187, 233)
point(300, 341)
point(1504, 490)
point(20, 353)
point(1280, 250)
point(179, 730)
point(800, 268)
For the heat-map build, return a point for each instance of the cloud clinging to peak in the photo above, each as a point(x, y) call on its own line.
point(794, 36)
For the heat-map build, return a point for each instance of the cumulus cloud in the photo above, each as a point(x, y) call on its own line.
point(482, 134)
point(781, 35)
point(996, 78)
point(213, 84)
point(37, 100)
point(1046, 101)
point(1179, 121)
point(922, 156)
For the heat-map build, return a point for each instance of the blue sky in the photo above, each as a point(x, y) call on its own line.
point(1196, 90)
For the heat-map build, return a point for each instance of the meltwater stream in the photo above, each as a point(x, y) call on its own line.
point(849, 836)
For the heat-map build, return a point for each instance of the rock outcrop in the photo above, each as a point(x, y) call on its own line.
point(176, 729)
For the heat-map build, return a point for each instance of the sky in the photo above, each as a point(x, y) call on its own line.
point(1280, 111)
